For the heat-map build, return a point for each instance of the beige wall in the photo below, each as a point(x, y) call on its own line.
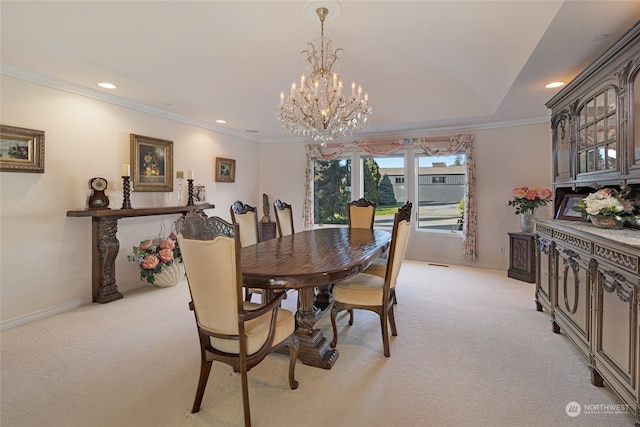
point(45, 259)
point(45, 256)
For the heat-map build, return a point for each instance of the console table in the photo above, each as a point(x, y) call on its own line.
point(105, 245)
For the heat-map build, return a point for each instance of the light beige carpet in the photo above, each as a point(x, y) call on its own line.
point(471, 350)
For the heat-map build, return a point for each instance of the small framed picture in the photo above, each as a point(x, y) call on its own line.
point(566, 212)
point(152, 163)
point(225, 170)
point(199, 194)
point(21, 150)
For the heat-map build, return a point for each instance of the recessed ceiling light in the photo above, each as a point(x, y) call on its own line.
point(221, 121)
point(107, 85)
point(554, 84)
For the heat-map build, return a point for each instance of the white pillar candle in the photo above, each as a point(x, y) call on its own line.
point(126, 171)
point(189, 174)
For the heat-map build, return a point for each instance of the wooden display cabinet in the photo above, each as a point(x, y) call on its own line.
point(588, 278)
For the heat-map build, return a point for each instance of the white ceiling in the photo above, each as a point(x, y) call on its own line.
point(428, 66)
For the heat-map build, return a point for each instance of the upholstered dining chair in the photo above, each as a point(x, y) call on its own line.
point(232, 331)
point(371, 292)
point(361, 213)
point(284, 218)
point(247, 218)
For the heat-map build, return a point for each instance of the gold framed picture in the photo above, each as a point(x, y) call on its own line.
point(21, 150)
point(225, 170)
point(152, 163)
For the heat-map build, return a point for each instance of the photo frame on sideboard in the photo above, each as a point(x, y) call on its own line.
point(21, 149)
point(199, 194)
point(565, 210)
point(152, 163)
point(225, 170)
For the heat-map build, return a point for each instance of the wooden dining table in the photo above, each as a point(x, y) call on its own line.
point(304, 261)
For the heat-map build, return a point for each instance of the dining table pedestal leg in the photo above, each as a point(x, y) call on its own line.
point(314, 347)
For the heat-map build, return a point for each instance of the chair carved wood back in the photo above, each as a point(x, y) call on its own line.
point(211, 253)
point(373, 292)
point(246, 217)
point(361, 213)
point(284, 217)
point(196, 225)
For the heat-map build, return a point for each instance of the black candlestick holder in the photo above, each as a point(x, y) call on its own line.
point(126, 193)
point(190, 192)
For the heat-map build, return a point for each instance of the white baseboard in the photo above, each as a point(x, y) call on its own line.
point(8, 324)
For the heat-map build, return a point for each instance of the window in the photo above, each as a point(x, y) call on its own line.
point(441, 188)
point(439, 185)
point(383, 183)
point(331, 191)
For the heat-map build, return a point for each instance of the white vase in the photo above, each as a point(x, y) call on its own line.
point(170, 275)
point(526, 222)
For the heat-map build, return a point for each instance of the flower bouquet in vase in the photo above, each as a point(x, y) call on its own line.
point(160, 260)
point(526, 200)
point(609, 208)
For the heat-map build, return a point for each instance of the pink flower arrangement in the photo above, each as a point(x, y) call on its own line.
point(528, 199)
point(153, 255)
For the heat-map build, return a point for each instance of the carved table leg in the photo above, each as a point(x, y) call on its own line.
point(104, 253)
point(314, 347)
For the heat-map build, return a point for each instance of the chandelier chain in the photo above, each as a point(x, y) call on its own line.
point(318, 109)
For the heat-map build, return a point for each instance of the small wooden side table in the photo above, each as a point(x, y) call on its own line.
point(267, 230)
point(522, 257)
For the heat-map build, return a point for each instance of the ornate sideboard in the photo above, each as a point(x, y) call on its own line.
point(587, 279)
point(105, 245)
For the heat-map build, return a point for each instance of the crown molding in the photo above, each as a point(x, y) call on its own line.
point(55, 83)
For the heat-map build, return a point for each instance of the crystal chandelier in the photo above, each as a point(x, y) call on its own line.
point(318, 109)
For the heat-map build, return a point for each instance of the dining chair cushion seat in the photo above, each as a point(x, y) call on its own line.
point(361, 289)
point(257, 331)
point(377, 268)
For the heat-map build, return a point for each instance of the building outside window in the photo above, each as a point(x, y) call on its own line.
point(441, 188)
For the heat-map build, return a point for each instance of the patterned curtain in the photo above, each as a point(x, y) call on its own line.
point(438, 146)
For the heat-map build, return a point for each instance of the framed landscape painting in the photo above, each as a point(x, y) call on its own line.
point(152, 163)
point(21, 150)
point(225, 170)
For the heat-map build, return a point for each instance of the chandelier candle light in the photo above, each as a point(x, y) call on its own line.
point(318, 109)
